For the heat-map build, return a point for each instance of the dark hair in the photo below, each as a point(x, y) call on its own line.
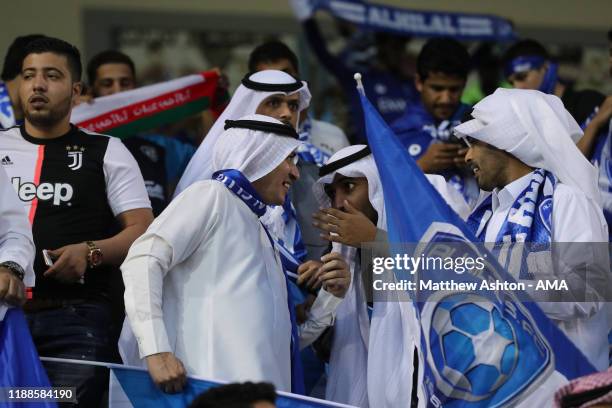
point(444, 55)
point(107, 57)
point(272, 51)
point(524, 48)
point(235, 396)
point(610, 35)
point(15, 55)
point(59, 47)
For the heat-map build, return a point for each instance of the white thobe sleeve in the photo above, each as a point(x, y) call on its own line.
point(580, 234)
point(171, 238)
point(320, 316)
point(16, 242)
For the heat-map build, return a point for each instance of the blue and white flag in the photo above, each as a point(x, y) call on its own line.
point(476, 350)
point(377, 17)
point(133, 387)
point(7, 116)
point(20, 366)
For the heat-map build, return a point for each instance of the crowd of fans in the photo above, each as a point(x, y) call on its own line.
point(191, 285)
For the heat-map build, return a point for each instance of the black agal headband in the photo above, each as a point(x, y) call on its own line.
point(276, 128)
point(345, 161)
point(263, 87)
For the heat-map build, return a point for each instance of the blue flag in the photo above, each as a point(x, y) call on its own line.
point(140, 390)
point(20, 366)
point(477, 350)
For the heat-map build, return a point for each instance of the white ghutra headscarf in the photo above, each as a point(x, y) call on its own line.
point(255, 153)
point(255, 88)
point(535, 128)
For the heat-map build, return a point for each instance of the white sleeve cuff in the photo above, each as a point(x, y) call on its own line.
point(151, 337)
point(324, 307)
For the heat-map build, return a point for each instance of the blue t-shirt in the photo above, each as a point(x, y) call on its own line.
point(417, 129)
point(390, 94)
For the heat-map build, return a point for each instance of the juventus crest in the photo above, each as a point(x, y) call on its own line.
point(75, 154)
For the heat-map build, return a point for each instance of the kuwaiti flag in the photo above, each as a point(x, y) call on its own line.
point(127, 113)
point(20, 366)
point(496, 351)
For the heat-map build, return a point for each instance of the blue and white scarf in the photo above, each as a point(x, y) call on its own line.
point(238, 184)
point(7, 116)
point(307, 151)
point(528, 221)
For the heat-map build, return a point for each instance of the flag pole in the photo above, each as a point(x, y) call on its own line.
point(360, 89)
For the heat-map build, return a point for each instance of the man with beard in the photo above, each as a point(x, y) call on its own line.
point(425, 128)
point(542, 191)
point(363, 368)
point(74, 186)
point(272, 93)
point(206, 293)
point(319, 141)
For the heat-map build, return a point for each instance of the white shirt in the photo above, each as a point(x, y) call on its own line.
point(205, 283)
point(575, 218)
point(16, 243)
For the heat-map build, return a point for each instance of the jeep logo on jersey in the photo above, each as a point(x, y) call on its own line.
point(75, 154)
point(58, 192)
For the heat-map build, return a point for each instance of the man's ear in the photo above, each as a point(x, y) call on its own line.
point(77, 88)
point(418, 83)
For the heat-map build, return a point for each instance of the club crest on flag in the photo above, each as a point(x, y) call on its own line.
point(484, 350)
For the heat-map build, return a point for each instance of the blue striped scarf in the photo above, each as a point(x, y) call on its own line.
point(528, 221)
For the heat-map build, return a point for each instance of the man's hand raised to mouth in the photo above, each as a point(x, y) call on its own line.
point(350, 228)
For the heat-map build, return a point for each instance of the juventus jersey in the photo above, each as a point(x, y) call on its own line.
point(72, 188)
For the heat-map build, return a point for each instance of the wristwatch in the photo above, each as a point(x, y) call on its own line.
point(15, 268)
point(94, 257)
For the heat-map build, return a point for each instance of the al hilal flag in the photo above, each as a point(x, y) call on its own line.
point(475, 349)
point(127, 113)
point(133, 387)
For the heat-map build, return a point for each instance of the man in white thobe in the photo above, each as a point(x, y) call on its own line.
point(364, 368)
point(205, 290)
point(522, 151)
point(272, 93)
